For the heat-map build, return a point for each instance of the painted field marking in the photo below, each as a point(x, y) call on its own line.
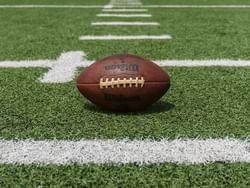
point(124, 15)
point(204, 63)
point(86, 63)
point(127, 6)
point(141, 152)
point(28, 64)
point(125, 2)
point(131, 6)
point(57, 6)
point(125, 37)
point(108, 6)
point(196, 6)
point(125, 23)
point(124, 10)
point(65, 67)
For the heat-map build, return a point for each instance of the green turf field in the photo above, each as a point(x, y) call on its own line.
point(203, 102)
point(104, 2)
point(198, 34)
point(167, 175)
point(55, 2)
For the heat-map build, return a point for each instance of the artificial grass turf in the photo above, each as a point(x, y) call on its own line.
point(38, 110)
point(202, 102)
point(195, 2)
point(197, 34)
point(104, 2)
point(162, 175)
point(54, 2)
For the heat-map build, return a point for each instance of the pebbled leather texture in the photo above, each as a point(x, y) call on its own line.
point(145, 81)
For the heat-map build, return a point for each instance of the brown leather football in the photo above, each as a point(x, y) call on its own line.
point(123, 83)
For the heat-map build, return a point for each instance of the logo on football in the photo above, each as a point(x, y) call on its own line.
point(123, 83)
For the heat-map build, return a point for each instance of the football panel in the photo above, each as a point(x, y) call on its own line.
point(123, 65)
point(124, 99)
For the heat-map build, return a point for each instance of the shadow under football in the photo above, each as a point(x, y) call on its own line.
point(158, 107)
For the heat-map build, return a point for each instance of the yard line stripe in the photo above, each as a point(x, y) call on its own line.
point(125, 1)
point(128, 37)
point(125, 10)
point(203, 63)
point(193, 63)
point(108, 7)
point(27, 64)
point(174, 63)
point(54, 6)
point(196, 6)
point(86, 63)
point(65, 68)
point(127, 4)
point(130, 6)
point(124, 15)
point(111, 151)
point(125, 23)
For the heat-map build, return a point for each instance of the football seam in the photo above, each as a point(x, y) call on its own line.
point(155, 82)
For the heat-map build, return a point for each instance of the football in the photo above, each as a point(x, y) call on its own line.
point(123, 83)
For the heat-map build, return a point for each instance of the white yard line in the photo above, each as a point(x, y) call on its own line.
point(28, 64)
point(195, 6)
point(182, 151)
point(204, 63)
point(85, 63)
point(125, 2)
point(55, 6)
point(192, 63)
point(108, 6)
point(124, 23)
point(125, 10)
point(124, 15)
point(65, 67)
point(130, 6)
point(124, 37)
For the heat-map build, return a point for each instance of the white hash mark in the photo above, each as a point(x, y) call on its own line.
point(125, 15)
point(125, 37)
point(125, 23)
point(141, 152)
point(65, 67)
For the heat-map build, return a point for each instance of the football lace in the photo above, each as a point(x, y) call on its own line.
point(130, 82)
